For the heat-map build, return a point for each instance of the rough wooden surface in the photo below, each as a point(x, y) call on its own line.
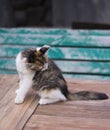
point(13, 117)
point(70, 115)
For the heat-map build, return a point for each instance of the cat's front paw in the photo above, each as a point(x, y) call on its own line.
point(17, 91)
point(19, 100)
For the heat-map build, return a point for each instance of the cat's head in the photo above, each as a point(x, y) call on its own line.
point(35, 59)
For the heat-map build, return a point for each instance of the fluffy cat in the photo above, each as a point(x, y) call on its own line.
point(39, 72)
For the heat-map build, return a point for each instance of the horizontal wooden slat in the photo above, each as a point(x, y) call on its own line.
point(68, 66)
point(7, 71)
point(77, 52)
point(68, 123)
point(64, 38)
point(80, 53)
point(7, 64)
point(72, 75)
point(35, 31)
point(84, 67)
point(56, 31)
point(62, 53)
point(90, 77)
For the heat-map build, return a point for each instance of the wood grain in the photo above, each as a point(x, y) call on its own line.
point(46, 122)
point(74, 115)
point(14, 116)
point(78, 53)
point(69, 115)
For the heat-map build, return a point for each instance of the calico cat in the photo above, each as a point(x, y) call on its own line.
point(39, 72)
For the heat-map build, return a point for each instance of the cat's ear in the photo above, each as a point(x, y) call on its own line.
point(44, 49)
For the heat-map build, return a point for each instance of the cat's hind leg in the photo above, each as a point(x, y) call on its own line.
point(51, 96)
point(44, 101)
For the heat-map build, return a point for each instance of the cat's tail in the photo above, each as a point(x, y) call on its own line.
point(87, 95)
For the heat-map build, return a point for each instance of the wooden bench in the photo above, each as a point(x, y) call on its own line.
point(79, 53)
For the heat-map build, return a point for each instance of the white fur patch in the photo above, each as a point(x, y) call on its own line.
point(44, 101)
point(51, 97)
point(38, 48)
point(26, 81)
point(20, 63)
point(45, 67)
point(24, 85)
point(47, 46)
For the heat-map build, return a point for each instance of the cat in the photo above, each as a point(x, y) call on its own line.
point(39, 72)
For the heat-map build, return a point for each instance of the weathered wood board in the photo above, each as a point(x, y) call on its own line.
point(79, 53)
point(69, 115)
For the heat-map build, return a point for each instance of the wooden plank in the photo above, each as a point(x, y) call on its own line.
point(88, 45)
point(80, 53)
point(7, 64)
point(66, 38)
point(61, 53)
point(84, 67)
point(6, 86)
point(71, 75)
point(56, 31)
point(15, 116)
point(69, 66)
point(76, 69)
point(77, 109)
point(87, 76)
point(96, 85)
point(43, 31)
point(7, 71)
point(27, 115)
point(84, 70)
point(47, 122)
point(72, 115)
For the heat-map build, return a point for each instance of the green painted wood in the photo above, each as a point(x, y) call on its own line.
point(91, 77)
point(53, 37)
point(55, 31)
point(77, 76)
point(62, 53)
point(7, 71)
point(79, 53)
point(84, 67)
point(92, 68)
point(7, 63)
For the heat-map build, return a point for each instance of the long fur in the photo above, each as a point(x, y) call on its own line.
point(39, 72)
